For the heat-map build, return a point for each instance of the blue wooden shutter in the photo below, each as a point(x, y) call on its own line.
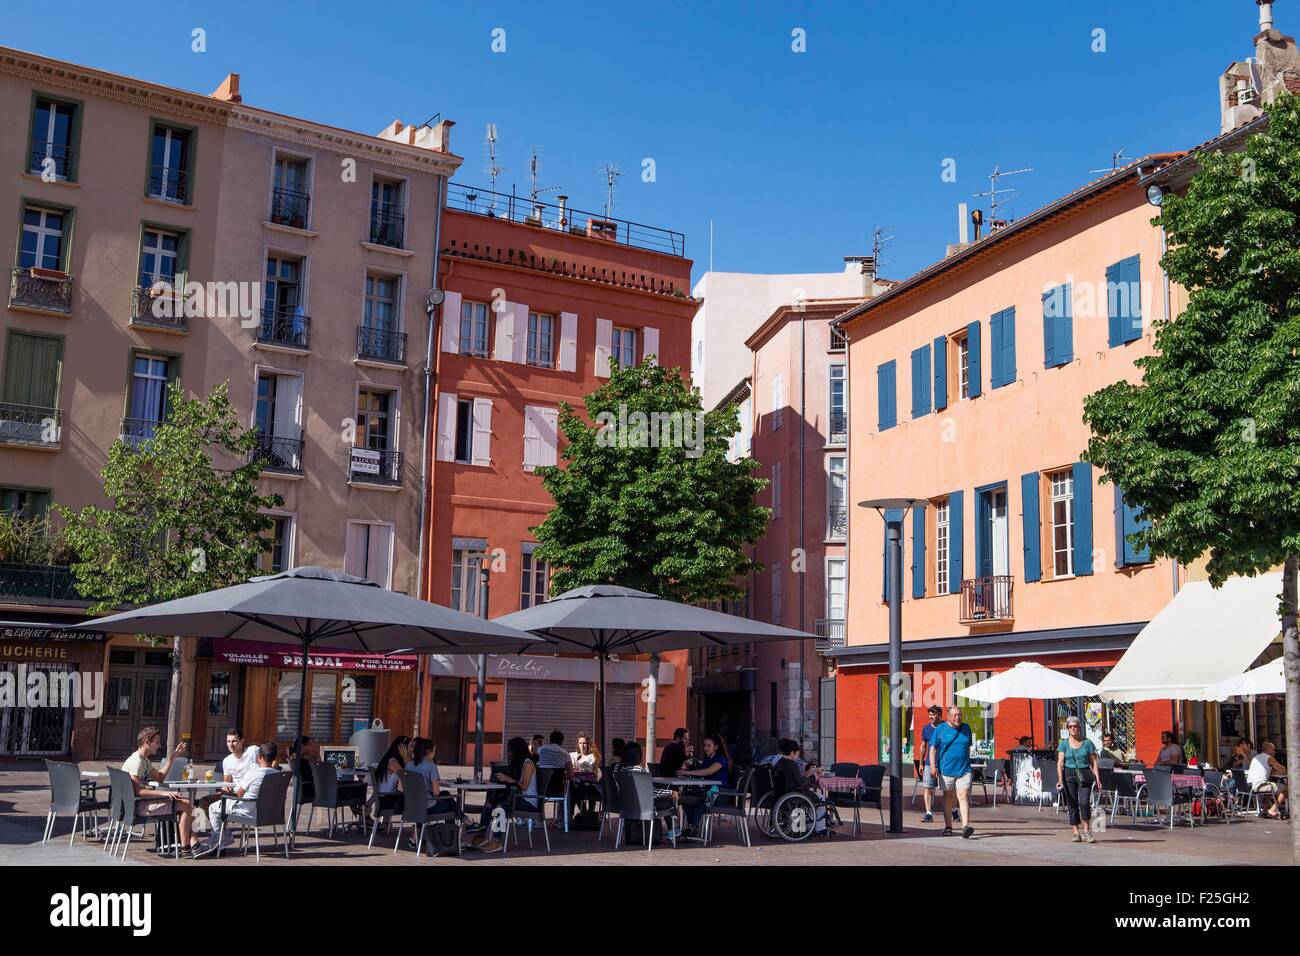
point(1128, 521)
point(1058, 326)
point(973, 352)
point(940, 373)
point(995, 350)
point(954, 542)
point(1124, 301)
point(891, 514)
point(1006, 344)
point(1132, 272)
point(1050, 305)
point(983, 536)
point(1113, 334)
point(1030, 523)
point(887, 396)
point(1082, 473)
point(921, 381)
point(918, 551)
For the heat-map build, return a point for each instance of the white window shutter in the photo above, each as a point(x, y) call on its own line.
point(505, 323)
point(451, 322)
point(377, 554)
point(482, 450)
point(288, 407)
point(549, 422)
point(532, 438)
point(567, 358)
point(355, 551)
point(604, 344)
point(650, 344)
point(447, 426)
point(521, 334)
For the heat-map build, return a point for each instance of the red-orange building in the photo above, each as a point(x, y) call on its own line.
point(538, 298)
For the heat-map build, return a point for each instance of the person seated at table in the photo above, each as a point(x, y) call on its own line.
point(1243, 753)
point(160, 803)
point(553, 756)
point(520, 777)
point(673, 757)
point(715, 766)
point(244, 808)
point(616, 747)
point(388, 775)
point(1171, 754)
point(235, 766)
point(584, 794)
point(663, 798)
point(535, 747)
point(422, 753)
point(1262, 768)
point(1109, 749)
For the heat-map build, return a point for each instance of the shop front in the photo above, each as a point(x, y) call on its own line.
point(51, 687)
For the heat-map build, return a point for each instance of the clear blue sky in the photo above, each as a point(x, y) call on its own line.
point(794, 156)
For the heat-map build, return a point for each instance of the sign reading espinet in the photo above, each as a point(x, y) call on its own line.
point(76, 909)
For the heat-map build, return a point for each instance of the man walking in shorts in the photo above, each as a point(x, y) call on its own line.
point(950, 746)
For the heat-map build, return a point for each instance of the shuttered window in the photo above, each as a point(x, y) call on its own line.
point(33, 364)
point(1124, 301)
point(1128, 521)
point(1058, 326)
point(1002, 346)
point(887, 395)
point(921, 383)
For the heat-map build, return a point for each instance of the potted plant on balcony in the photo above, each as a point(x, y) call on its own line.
point(37, 272)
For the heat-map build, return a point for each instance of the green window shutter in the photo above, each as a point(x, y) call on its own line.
point(974, 350)
point(918, 551)
point(32, 367)
point(954, 542)
point(1029, 514)
point(1082, 474)
point(1058, 326)
point(940, 373)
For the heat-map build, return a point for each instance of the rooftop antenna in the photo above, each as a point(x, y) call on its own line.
point(994, 191)
point(878, 240)
point(536, 190)
point(612, 173)
point(1117, 159)
point(492, 169)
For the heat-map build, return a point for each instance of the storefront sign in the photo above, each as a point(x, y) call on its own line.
point(540, 667)
point(15, 631)
point(29, 652)
point(272, 655)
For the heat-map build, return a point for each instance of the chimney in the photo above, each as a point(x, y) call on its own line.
point(228, 90)
point(866, 267)
point(442, 136)
point(564, 218)
point(1265, 15)
point(977, 220)
point(963, 234)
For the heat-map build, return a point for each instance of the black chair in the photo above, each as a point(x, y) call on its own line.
point(328, 795)
point(609, 804)
point(868, 793)
point(845, 769)
point(387, 806)
point(1158, 791)
point(637, 804)
point(655, 769)
point(67, 795)
point(1217, 789)
point(992, 771)
point(268, 811)
point(1125, 792)
point(1047, 772)
point(416, 811)
point(733, 805)
point(125, 816)
point(530, 810)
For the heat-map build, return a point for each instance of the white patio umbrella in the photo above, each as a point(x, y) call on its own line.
point(1266, 679)
point(1028, 679)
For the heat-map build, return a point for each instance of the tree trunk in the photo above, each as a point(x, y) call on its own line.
point(1291, 671)
point(174, 701)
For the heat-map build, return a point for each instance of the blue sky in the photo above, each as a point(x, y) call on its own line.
point(794, 156)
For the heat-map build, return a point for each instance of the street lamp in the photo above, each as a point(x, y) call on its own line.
point(485, 567)
point(892, 511)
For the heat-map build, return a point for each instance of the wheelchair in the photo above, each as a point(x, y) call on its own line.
point(792, 816)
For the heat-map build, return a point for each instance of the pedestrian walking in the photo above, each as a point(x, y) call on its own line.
point(1077, 774)
point(950, 746)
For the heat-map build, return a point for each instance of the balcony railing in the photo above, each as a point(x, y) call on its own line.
point(985, 600)
point(839, 429)
point(30, 425)
point(381, 344)
point(285, 328)
point(42, 289)
point(171, 185)
point(275, 453)
point(375, 466)
point(837, 521)
point(289, 207)
point(387, 226)
point(47, 582)
point(158, 309)
point(59, 157)
point(136, 431)
point(830, 634)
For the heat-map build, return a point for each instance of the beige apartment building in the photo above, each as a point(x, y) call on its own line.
point(161, 235)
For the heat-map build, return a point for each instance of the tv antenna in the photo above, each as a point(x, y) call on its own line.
point(1117, 159)
point(994, 191)
point(536, 190)
point(612, 173)
point(878, 240)
point(492, 169)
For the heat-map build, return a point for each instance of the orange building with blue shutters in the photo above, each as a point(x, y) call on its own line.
point(1019, 551)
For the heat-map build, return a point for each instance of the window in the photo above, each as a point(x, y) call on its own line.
point(53, 132)
point(839, 421)
point(541, 436)
point(464, 430)
point(323, 705)
point(281, 537)
point(534, 579)
point(32, 369)
point(159, 258)
point(776, 592)
point(1002, 332)
point(147, 403)
point(283, 294)
point(978, 715)
point(885, 712)
point(941, 539)
point(837, 510)
point(623, 347)
point(381, 303)
point(473, 328)
point(369, 551)
point(375, 419)
point(278, 415)
point(776, 489)
point(171, 163)
point(42, 245)
point(541, 352)
point(1129, 521)
point(1058, 326)
point(1124, 301)
point(1062, 526)
point(290, 197)
point(836, 590)
point(963, 366)
point(887, 395)
point(387, 221)
point(30, 503)
point(466, 567)
point(839, 341)
point(991, 541)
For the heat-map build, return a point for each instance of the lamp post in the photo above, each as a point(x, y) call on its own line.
point(893, 511)
point(485, 567)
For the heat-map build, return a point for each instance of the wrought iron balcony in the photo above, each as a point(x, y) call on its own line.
point(837, 521)
point(284, 327)
point(59, 160)
point(171, 185)
point(985, 600)
point(42, 289)
point(387, 226)
point(839, 429)
point(158, 309)
point(830, 634)
point(375, 466)
point(48, 582)
point(278, 454)
point(136, 431)
point(30, 425)
point(384, 345)
point(289, 207)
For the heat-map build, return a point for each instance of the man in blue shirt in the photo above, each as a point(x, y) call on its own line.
point(950, 746)
point(927, 776)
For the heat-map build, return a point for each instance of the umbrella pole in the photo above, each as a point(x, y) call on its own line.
point(600, 706)
point(1031, 724)
point(302, 731)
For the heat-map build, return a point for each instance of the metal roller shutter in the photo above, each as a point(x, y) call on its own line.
point(540, 706)
point(620, 712)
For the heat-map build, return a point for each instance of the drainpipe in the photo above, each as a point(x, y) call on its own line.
point(1164, 276)
point(803, 575)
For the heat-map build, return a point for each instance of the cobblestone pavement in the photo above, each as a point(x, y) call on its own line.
point(1005, 835)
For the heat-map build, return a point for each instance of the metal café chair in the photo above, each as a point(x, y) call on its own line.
point(868, 793)
point(325, 793)
point(124, 812)
point(1050, 778)
point(844, 769)
point(1124, 792)
point(521, 812)
point(991, 771)
point(68, 796)
point(1159, 791)
point(416, 812)
point(732, 804)
point(1216, 789)
point(268, 811)
point(609, 803)
point(637, 801)
point(387, 806)
point(556, 792)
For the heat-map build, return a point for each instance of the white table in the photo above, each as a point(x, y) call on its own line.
point(687, 782)
point(463, 787)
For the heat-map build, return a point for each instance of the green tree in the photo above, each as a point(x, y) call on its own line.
point(1208, 445)
point(648, 499)
point(185, 517)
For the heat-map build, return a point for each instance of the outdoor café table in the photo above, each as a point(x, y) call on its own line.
point(839, 783)
point(463, 787)
point(686, 781)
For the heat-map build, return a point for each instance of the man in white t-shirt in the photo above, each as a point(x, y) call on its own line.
point(1261, 769)
point(237, 765)
point(244, 808)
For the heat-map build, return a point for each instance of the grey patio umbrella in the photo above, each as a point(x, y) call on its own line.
point(319, 609)
point(605, 619)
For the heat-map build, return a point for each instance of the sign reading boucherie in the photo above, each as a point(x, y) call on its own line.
point(273, 655)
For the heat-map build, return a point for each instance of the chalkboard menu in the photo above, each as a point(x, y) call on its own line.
point(341, 758)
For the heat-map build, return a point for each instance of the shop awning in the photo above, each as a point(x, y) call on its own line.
point(1204, 635)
